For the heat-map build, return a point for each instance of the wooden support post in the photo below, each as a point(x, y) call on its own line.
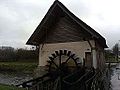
point(94, 58)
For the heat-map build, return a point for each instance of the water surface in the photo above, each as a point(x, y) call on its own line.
point(115, 77)
point(14, 78)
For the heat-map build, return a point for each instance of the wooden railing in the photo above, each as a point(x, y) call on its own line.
point(30, 83)
point(93, 83)
point(43, 85)
point(99, 81)
point(91, 80)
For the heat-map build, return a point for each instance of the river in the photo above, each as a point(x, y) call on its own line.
point(14, 78)
point(17, 78)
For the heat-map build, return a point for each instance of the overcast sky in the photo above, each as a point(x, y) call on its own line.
point(19, 18)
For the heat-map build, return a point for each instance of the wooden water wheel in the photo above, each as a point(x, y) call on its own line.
point(62, 63)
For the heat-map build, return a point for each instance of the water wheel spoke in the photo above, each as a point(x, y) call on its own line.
point(59, 60)
point(70, 57)
point(54, 63)
point(67, 59)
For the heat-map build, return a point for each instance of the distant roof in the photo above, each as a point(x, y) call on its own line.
point(47, 22)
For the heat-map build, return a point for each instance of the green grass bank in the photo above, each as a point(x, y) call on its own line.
point(22, 67)
point(8, 87)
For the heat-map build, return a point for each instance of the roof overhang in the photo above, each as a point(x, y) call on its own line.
point(58, 10)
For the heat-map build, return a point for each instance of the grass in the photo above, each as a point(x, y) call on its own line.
point(24, 67)
point(8, 87)
point(16, 67)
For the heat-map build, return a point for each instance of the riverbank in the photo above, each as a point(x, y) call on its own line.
point(8, 87)
point(18, 67)
point(13, 73)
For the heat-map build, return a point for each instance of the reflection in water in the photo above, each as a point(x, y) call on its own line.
point(115, 81)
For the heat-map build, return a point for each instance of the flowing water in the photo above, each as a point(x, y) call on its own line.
point(115, 77)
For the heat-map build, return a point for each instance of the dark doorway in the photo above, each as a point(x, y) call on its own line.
point(88, 59)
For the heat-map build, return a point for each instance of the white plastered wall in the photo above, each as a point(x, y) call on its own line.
point(79, 48)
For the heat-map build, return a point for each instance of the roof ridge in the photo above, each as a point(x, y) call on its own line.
point(57, 4)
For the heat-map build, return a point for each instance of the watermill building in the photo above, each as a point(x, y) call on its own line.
point(66, 42)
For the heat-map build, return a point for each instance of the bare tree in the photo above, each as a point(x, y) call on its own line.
point(116, 50)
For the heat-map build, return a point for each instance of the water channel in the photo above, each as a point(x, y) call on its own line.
point(115, 77)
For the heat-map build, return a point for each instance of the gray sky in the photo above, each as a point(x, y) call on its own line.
point(19, 18)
